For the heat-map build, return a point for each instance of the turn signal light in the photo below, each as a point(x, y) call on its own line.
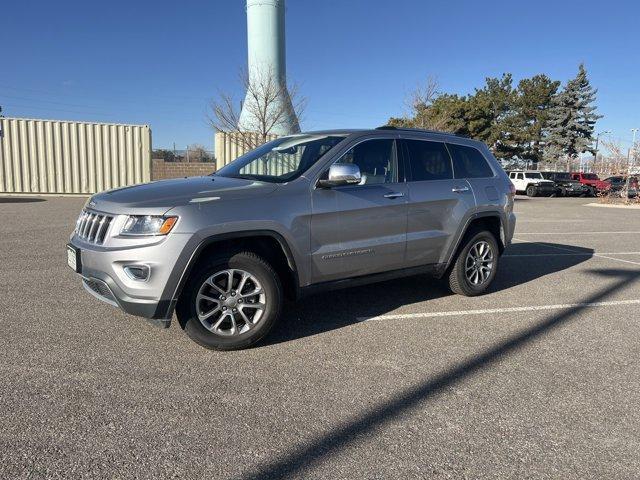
point(167, 225)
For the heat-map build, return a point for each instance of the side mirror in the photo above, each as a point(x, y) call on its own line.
point(341, 174)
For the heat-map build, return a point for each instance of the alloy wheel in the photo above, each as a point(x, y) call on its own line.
point(230, 302)
point(479, 263)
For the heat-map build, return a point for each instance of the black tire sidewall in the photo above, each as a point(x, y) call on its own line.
point(459, 268)
point(531, 191)
point(273, 293)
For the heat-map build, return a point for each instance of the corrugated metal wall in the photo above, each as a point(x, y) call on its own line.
point(230, 146)
point(55, 156)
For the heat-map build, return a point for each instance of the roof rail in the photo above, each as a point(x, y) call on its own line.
point(424, 130)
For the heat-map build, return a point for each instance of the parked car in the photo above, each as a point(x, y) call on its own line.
point(532, 183)
point(619, 183)
point(297, 215)
point(565, 185)
point(592, 181)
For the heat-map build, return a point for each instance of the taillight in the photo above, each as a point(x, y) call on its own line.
point(512, 189)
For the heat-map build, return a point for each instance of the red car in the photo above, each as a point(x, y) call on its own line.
point(592, 181)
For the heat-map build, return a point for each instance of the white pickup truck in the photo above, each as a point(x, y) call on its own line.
point(532, 183)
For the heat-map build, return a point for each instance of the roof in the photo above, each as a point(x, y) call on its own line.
point(349, 131)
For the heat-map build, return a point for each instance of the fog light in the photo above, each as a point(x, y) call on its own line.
point(139, 273)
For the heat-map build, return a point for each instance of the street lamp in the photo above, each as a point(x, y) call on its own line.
point(595, 152)
point(632, 147)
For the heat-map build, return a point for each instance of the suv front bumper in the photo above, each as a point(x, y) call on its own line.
point(103, 274)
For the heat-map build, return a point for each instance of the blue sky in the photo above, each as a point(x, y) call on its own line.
point(160, 62)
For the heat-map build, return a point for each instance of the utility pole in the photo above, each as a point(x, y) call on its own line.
point(595, 152)
point(632, 147)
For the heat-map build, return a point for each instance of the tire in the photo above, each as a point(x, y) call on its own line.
point(234, 332)
point(458, 279)
point(531, 191)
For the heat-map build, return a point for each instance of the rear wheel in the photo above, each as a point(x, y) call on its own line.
point(531, 191)
point(230, 302)
point(475, 266)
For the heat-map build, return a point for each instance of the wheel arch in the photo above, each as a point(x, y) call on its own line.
point(490, 221)
point(267, 243)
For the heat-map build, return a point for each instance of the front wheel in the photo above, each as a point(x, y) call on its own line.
point(531, 191)
point(475, 266)
point(230, 302)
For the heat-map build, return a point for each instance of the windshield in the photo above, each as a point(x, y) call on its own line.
point(533, 175)
point(590, 176)
point(563, 176)
point(282, 159)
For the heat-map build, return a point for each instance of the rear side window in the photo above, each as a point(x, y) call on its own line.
point(428, 160)
point(468, 162)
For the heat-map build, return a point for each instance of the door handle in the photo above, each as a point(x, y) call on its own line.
point(460, 189)
point(394, 195)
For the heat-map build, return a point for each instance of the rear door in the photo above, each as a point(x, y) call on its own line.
point(470, 163)
point(361, 229)
point(438, 202)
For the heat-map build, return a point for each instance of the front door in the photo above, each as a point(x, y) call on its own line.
point(361, 229)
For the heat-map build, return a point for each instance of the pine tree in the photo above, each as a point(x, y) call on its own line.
point(533, 102)
point(572, 117)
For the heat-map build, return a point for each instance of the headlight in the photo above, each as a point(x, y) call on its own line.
point(148, 225)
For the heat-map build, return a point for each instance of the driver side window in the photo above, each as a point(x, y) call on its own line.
point(376, 160)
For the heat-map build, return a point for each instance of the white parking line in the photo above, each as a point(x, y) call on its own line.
point(579, 254)
point(532, 308)
point(599, 255)
point(578, 233)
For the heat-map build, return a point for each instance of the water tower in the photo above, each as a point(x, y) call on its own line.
point(267, 57)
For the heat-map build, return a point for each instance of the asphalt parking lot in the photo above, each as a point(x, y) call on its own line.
point(540, 378)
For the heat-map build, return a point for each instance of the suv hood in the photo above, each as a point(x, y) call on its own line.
point(155, 198)
point(569, 183)
point(538, 180)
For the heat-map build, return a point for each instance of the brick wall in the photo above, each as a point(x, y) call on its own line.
point(161, 169)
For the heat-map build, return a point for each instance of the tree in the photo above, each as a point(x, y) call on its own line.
point(432, 110)
point(166, 155)
point(490, 115)
point(572, 117)
point(532, 105)
point(264, 101)
point(197, 153)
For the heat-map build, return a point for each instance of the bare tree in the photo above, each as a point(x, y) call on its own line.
point(197, 153)
point(269, 102)
point(426, 109)
point(421, 98)
point(615, 162)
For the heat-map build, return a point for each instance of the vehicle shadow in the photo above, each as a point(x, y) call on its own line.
point(21, 199)
point(521, 263)
point(314, 452)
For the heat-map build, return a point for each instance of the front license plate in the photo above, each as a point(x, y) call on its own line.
point(73, 259)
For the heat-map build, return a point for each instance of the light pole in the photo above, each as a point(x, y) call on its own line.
point(595, 152)
point(632, 147)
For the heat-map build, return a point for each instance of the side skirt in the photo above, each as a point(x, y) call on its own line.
point(435, 270)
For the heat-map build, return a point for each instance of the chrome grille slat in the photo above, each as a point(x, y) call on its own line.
point(93, 226)
point(95, 223)
point(103, 229)
point(87, 224)
point(83, 219)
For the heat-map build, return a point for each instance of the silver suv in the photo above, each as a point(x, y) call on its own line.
point(297, 215)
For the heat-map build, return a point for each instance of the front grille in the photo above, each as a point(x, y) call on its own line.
point(93, 226)
point(100, 288)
